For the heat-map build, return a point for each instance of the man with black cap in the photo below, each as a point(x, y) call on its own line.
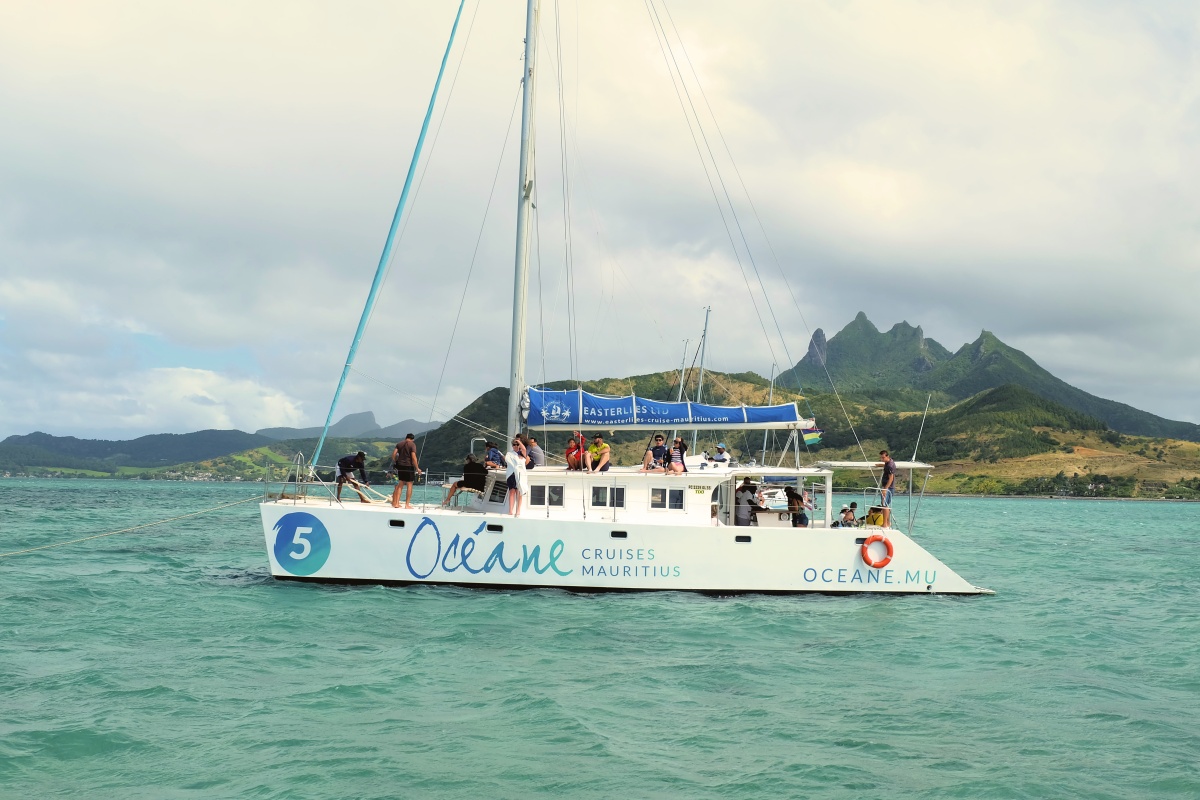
point(595, 458)
point(346, 467)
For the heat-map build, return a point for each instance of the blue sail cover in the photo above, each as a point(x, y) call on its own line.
point(575, 408)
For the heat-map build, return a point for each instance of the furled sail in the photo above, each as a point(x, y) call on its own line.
point(574, 408)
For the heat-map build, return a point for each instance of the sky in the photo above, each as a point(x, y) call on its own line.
point(194, 197)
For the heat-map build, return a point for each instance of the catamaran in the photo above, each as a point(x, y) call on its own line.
point(616, 530)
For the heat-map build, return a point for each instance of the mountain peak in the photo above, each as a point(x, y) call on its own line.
point(862, 323)
point(817, 348)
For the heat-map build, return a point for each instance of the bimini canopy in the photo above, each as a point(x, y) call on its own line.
point(573, 409)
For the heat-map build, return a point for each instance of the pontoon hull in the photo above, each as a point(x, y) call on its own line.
point(319, 541)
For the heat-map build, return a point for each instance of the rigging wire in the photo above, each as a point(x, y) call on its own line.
point(450, 415)
point(664, 47)
point(568, 244)
point(766, 238)
point(471, 269)
point(717, 169)
point(256, 498)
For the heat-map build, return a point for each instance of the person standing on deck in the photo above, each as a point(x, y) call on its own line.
point(799, 505)
point(404, 457)
point(746, 506)
point(886, 485)
point(516, 477)
point(346, 467)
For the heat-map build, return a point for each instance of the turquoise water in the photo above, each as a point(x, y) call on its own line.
point(168, 663)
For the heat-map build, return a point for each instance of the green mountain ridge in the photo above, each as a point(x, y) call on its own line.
point(860, 358)
point(154, 450)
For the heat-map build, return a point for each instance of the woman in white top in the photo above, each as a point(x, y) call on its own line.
point(516, 477)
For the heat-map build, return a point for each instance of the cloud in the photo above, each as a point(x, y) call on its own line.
point(208, 189)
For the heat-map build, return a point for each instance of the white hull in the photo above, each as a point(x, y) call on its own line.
point(354, 543)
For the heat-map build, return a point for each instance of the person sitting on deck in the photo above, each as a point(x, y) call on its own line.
point(495, 459)
point(346, 467)
point(473, 479)
point(874, 517)
point(845, 519)
point(746, 499)
point(656, 455)
point(537, 457)
point(574, 455)
point(596, 458)
point(675, 461)
point(721, 456)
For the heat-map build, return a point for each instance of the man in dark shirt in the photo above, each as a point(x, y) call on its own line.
point(474, 477)
point(886, 485)
point(404, 457)
point(655, 456)
point(346, 467)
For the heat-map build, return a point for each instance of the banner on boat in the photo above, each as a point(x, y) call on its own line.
point(575, 408)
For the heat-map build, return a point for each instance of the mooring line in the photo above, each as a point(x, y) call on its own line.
point(256, 498)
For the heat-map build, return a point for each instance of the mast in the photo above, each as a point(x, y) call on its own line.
point(682, 374)
point(700, 384)
point(770, 401)
point(516, 382)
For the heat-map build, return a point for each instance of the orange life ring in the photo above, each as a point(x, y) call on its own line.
point(866, 551)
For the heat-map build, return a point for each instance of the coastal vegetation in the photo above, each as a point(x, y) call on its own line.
point(997, 424)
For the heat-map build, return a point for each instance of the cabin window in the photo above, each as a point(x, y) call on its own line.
point(499, 492)
point(675, 499)
point(608, 496)
point(541, 495)
point(671, 499)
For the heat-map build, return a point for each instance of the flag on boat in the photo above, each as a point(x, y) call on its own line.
point(575, 408)
point(812, 436)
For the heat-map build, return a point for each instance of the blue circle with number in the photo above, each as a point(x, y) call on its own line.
point(301, 543)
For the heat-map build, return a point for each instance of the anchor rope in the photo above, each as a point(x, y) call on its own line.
point(256, 498)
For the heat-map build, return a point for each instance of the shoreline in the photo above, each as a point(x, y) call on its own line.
point(852, 493)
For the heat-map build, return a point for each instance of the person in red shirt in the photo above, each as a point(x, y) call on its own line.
point(574, 454)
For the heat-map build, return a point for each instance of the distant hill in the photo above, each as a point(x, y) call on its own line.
point(353, 426)
point(860, 358)
point(155, 450)
point(996, 423)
